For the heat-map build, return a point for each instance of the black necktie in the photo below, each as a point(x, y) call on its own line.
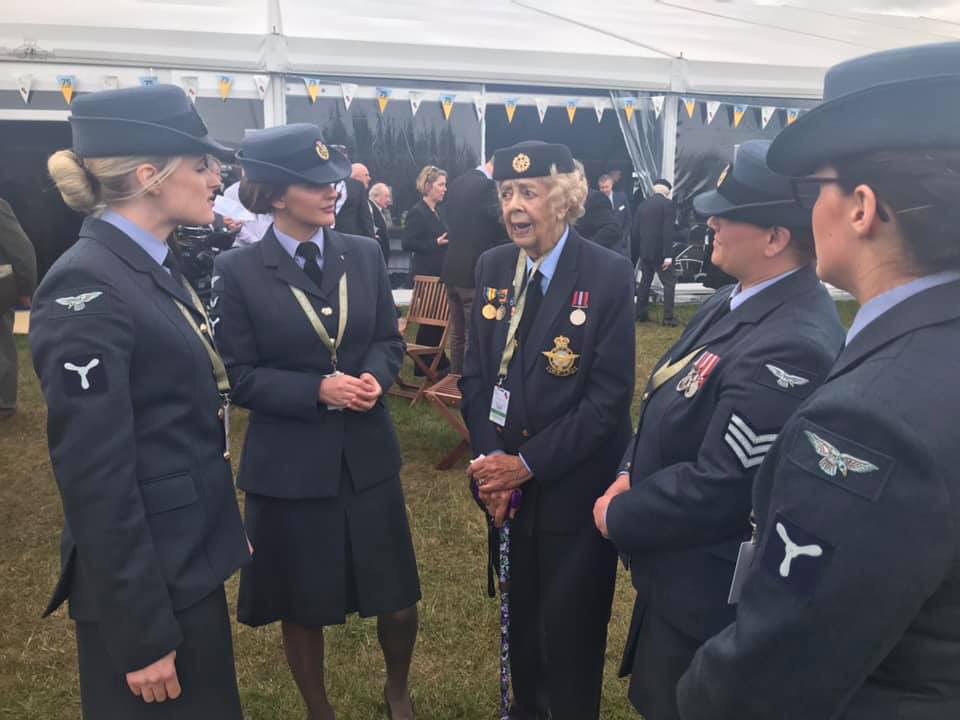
point(310, 252)
point(170, 262)
point(531, 305)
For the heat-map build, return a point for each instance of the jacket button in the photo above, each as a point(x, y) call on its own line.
point(525, 433)
point(203, 328)
point(220, 413)
point(646, 396)
point(226, 454)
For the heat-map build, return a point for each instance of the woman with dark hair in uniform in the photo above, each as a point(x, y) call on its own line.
point(850, 608)
point(309, 336)
point(137, 401)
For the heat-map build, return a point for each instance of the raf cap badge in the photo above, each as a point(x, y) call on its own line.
point(723, 175)
point(562, 361)
point(521, 163)
point(322, 151)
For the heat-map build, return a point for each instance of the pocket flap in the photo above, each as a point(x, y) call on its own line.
point(168, 494)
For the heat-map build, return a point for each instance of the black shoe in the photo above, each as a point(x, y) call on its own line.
point(669, 322)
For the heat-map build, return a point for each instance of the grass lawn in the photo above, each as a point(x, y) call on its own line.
point(455, 667)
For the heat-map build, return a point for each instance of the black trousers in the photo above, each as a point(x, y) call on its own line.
point(204, 668)
point(669, 279)
point(561, 592)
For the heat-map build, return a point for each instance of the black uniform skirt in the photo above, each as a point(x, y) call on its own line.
point(317, 561)
point(204, 668)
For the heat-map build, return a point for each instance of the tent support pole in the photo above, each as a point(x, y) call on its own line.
point(671, 106)
point(275, 101)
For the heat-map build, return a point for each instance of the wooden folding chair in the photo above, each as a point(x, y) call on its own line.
point(428, 307)
point(445, 396)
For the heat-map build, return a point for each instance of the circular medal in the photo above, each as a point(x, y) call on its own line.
point(489, 312)
point(327, 311)
point(501, 312)
point(578, 317)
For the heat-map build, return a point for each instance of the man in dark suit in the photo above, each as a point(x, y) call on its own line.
point(354, 216)
point(547, 384)
point(621, 206)
point(18, 280)
point(601, 224)
point(652, 249)
point(473, 227)
point(381, 198)
point(712, 409)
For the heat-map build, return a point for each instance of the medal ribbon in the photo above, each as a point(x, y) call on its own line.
point(318, 327)
point(670, 370)
point(520, 296)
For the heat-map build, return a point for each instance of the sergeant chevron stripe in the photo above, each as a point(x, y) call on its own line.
point(749, 447)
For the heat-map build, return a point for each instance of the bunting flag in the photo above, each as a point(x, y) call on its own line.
point(225, 85)
point(766, 115)
point(792, 115)
point(68, 84)
point(738, 112)
point(599, 105)
point(657, 101)
point(383, 98)
point(349, 91)
point(111, 82)
point(148, 80)
point(313, 89)
point(261, 82)
point(691, 105)
point(415, 100)
point(191, 86)
point(712, 107)
point(480, 105)
point(629, 106)
point(510, 105)
point(542, 105)
point(25, 85)
point(446, 102)
point(571, 109)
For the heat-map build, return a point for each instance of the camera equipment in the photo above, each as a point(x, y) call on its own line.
point(196, 247)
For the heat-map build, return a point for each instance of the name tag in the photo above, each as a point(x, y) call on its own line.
point(498, 406)
point(744, 562)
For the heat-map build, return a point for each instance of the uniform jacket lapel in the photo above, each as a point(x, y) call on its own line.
point(131, 253)
point(334, 265)
point(931, 307)
point(557, 299)
point(284, 266)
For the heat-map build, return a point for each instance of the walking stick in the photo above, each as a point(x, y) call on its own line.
point(503, 535)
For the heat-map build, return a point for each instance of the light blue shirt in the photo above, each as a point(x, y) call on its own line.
point(549, 266)
point(884, 302)
point(483, 169)
point(740, 296)
point(291, 244)
point(155, 248)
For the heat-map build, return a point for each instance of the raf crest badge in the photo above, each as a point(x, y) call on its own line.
point(322, 151)
point(521, 163)
point(723, 175)
point(78, 302)
point(562, 361)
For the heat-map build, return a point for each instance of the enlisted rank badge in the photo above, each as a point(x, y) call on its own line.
point(749, 445)
point(795, 556)
point(840, 461)
point(694, 380)
point(561, 360)
point(84, 375)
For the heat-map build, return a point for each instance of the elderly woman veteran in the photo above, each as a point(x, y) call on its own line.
point(851, 607)
point(309, 336)
point(547, 384)
point(715, 402)
point(136, 400)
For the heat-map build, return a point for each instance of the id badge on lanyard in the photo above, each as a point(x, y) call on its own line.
point(498, 406)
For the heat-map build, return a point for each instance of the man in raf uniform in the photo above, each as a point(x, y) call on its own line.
point(18, 280)
point(716, 402)
point(547, 384)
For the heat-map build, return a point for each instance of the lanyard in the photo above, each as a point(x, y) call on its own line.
point(216, 362)
point(520, 296)
point(670, 370)
point(318, 327)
